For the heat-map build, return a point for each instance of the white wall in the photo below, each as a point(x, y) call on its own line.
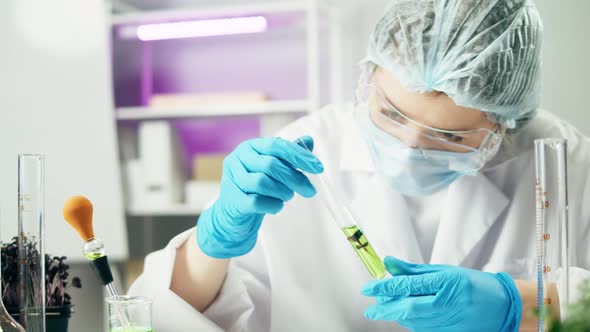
point(55, 99)
point(567, 59)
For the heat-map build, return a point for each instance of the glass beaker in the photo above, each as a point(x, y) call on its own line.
point(552, 229)
point(31, 241)
point(138, 310)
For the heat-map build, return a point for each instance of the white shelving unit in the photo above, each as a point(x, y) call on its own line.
point(217, 110)
point(274, 113)
point(213, 11)
point(172, 210)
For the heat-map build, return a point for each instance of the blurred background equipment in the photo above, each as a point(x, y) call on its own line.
point(160, 164)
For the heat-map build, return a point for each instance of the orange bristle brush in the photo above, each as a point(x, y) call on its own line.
point(78, 212)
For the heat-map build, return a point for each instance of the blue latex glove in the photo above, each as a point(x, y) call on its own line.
point(424, 297)
point(258, 177)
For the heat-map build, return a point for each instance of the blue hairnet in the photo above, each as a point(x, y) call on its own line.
point(484, 54)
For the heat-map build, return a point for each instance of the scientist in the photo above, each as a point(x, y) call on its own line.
point(436, 161)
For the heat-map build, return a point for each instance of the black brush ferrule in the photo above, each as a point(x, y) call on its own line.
point(101, 267)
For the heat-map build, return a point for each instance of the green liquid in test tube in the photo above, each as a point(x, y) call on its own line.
point(348, 225)
point(365, 251)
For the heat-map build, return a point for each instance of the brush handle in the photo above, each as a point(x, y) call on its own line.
point(101, 267)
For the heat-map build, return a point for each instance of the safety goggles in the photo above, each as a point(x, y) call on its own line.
point(481, 143)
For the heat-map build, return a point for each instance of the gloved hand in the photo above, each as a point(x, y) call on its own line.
point(424, 297)
point(258, 177)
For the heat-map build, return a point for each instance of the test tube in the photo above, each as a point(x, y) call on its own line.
point(345, 220)
point(31, 253)
point(552, 229)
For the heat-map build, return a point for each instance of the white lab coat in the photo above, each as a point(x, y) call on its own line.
point(303, 276)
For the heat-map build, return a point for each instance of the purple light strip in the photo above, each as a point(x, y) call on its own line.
point(202, 28)
point(147, 73)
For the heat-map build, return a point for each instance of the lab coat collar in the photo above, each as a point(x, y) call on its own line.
point(383, 216)
point(473, 206)
point(354, 151)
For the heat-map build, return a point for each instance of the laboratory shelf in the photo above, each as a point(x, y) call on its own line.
point(171, 210)
point(168, 15)
point(210, 111)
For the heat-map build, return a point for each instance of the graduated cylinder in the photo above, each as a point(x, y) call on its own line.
point(31, 253)
point(552, 229)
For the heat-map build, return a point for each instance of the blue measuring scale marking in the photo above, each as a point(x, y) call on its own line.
point(541, 204)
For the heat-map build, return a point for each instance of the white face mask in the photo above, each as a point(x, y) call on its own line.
point(414, 172)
